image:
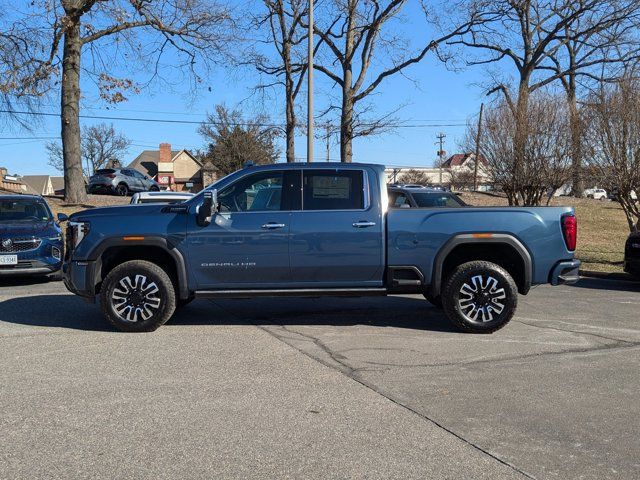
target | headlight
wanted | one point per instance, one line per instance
(76, 231)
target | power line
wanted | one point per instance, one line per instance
(207, 122)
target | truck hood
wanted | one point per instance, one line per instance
(119, 210)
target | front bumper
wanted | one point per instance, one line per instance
(565, 272)
(78, 278)
(39, 261)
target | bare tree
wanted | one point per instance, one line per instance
(461, 179)
(100, 145)
(530, 34)
(232, 141)
(614, 130)
(593, 54)
(359, 38)
(283, 19)
(545, 161)
(100, 38)
(415, 177)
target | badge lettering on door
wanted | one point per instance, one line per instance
(229, 264)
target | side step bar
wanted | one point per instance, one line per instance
(293, 292)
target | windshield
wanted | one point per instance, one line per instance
(436, 199)
(26, 210)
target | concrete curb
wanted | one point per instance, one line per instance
(617, 276)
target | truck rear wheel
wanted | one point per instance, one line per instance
(480, 297)
(137, 296)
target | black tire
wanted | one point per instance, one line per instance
(435, 301)
(183, 302)
(462, 295)
(126, 305)
(122, 190)
(154, 188)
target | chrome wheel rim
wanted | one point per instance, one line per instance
(481, 299)
(136, 299)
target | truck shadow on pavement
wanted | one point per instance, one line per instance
(66, 311)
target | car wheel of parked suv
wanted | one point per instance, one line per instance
(480, 297)
(137, 296)
(122, 190)
(154, 189)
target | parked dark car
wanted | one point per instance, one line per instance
(632, 254)
(416, 196)
(121, 181)
(30, 239)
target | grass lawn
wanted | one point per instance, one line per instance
(602, 227)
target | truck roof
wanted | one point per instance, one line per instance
(322, 165)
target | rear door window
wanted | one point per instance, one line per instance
(333, 190)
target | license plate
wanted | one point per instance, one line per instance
(8, 259)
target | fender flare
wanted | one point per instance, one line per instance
(469, 238)
(96, 254)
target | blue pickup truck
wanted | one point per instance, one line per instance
(311, 230)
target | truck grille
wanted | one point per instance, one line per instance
(14, 245)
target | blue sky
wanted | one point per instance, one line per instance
(440, 96)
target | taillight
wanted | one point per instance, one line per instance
(570, 231)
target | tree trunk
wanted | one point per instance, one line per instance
(74, 187)
(346, 123)
(520, 140)
(575, 125)
(290, 127)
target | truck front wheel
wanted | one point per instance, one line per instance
(480, 297)
(137, 296)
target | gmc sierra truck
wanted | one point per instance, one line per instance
(312, 230)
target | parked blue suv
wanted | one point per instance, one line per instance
(30, 239)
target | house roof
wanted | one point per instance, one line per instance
(147, 161)
(458, 159)
(57, 183)
(36, 182)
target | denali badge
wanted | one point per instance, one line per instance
(229, 264)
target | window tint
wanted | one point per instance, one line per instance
(137, 174)
(23, 210)
(333, 190)
(105, 171)
(398, 200)
(434, 199)
(254, 193)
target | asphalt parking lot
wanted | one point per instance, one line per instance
(322, 388)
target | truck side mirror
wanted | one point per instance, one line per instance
(62, 217)
(208, 207)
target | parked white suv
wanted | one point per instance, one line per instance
(596, 193)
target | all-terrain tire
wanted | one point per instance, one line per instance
(479, 297)
(137, 296)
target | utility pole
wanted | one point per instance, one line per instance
(477, 159)
(328, 138)
(441, 136)
(310, 86)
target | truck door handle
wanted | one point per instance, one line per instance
(273, 225)
(363, 224)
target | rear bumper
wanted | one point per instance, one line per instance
(565, 272)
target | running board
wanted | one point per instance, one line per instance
(293, 292)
